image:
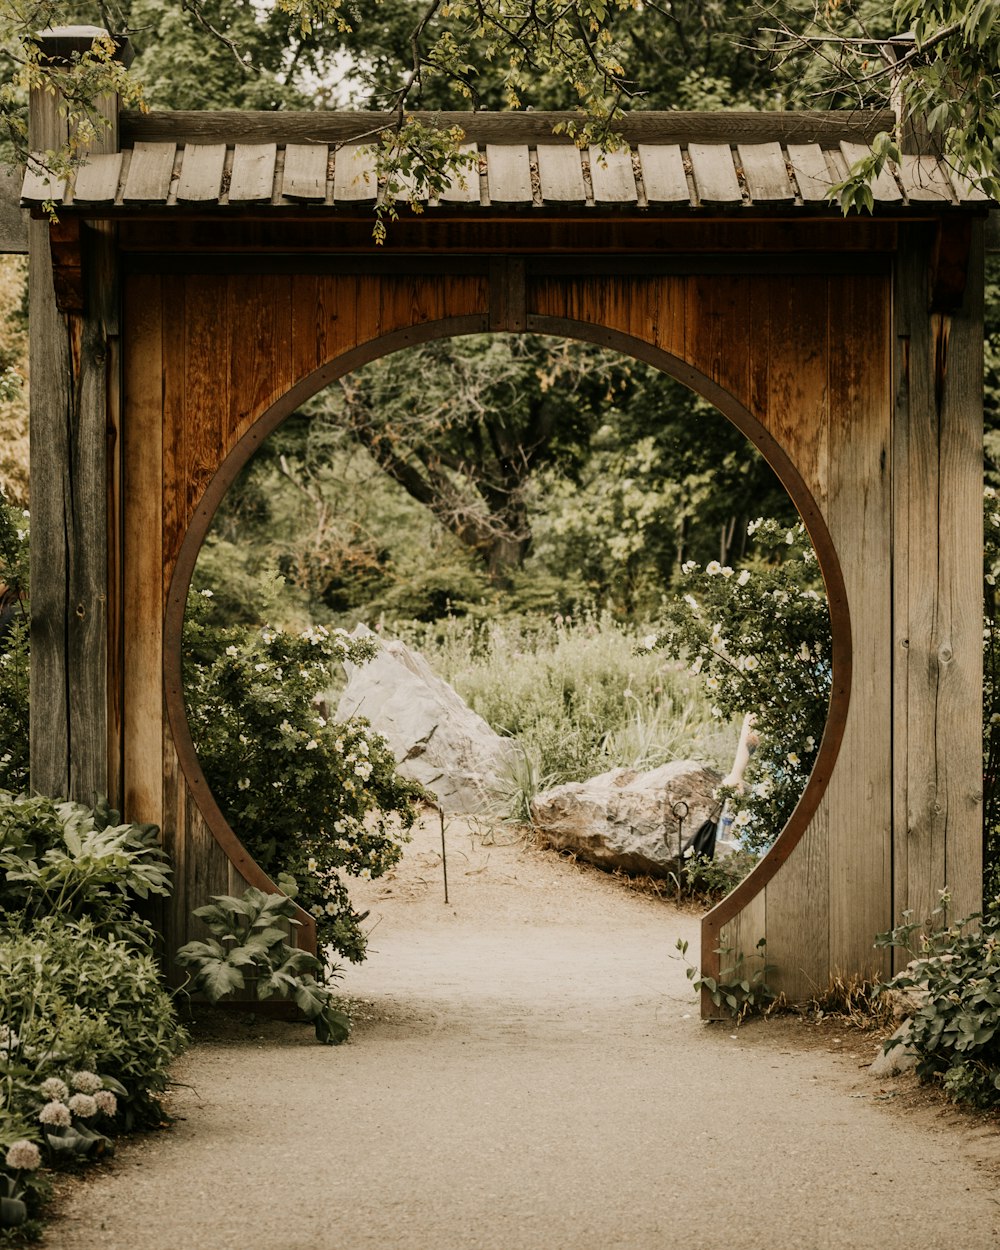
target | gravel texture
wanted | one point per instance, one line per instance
(528, 1072)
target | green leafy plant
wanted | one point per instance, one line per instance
(308, 797)
(954, 978)
(741, 987)
(760, 638)
(73, 861)
(248, 949)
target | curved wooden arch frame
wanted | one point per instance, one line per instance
(628, 345)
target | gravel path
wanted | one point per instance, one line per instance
(528, 1072)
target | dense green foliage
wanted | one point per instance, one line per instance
(307, 797)
(761, 638)
(248, 949)
(954, 979)
(87, 1028)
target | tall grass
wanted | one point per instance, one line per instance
(579, 695)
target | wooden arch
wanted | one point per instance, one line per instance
(210, 272)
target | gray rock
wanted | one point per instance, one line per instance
(898, 1059)
(622, 819)
(437, 739)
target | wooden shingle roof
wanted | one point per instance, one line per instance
(674, 163)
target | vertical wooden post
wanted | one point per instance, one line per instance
(73, 359)
(937, 585)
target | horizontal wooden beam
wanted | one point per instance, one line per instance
(721, 126)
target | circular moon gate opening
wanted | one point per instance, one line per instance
(682, 371)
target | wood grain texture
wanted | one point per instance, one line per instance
(463, 187)
(508, 173)
(765, 173)
(305, 171)
(149, 173)
(884, 187)
(143, 550)
(252, 176)
(663, 175)
(714, 173)
(924, 179)
(354, 178)
(717, 126)
(860, 517)
(200, 178)
(612, 176)
(97, 181)
(560, 173)
(812, 173)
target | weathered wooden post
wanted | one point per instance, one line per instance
(74, 438)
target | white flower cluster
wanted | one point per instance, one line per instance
(23, 1156)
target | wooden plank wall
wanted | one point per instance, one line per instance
(205, 357)
(937, 467)
(809, 356)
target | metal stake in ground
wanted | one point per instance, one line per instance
(444, 855)
(680, 811)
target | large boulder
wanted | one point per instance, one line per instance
(437, 739)
(624, 819)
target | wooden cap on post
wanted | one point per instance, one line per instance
(59, 44)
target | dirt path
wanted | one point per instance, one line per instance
(528, 1072)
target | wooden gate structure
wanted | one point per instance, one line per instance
(209, 272)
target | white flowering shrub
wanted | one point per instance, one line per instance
(308, 798)
(760, 638)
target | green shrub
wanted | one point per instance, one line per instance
(955, 978)
(307, 797)
(75, 998)
(73, 861)
(760, 639)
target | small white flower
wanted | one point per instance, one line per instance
(688, 566)
(696, 666)
(789, 537)
(793, 759)
(231, 651)
(54, 1090)
(742, 819)
(55, 1113)
(86, 1082)
(753, 526)
(260, 668)
(749, 662)
(743, 578)
(83, 1105)
(726, 571)
(312, 744)
(990, 579)
(713, 567)
(243, 783)
(804, 653)
(285, 727)
(365, 874)
(810, 742)
(649, 642)
(23, 1156)
(331, 909)
(311, 864)
(712, 683)
(107, 1103)
(207, 594)
(692, 602)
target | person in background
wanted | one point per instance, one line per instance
(746, 746)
